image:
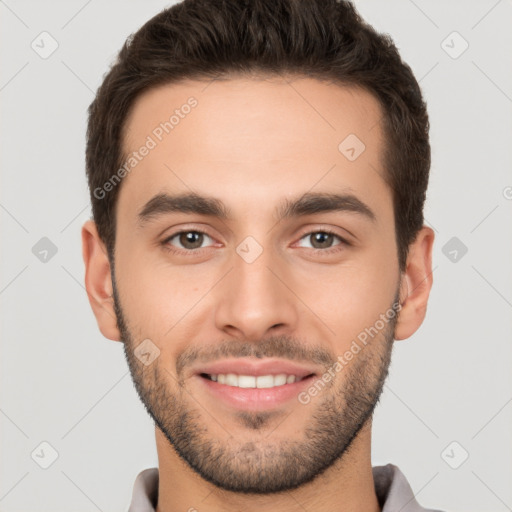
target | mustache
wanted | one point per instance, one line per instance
(284, 347)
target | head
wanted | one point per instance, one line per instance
(257, 174)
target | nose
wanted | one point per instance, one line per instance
(256, 299)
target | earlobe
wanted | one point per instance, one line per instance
(416, 284)
(98, 281)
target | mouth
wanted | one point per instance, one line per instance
(254, 381)
(255, 385)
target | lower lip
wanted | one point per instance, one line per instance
(256, 398)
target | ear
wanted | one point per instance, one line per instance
(416, 284)
(98, 281)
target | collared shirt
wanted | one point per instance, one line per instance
(393, 491)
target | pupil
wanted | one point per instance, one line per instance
(192, 238)
(325, 236)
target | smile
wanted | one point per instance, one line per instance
(253, 381)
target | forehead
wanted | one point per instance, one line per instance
(269, 106)
(251, 139)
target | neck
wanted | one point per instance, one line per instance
(346, 486)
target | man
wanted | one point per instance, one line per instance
(257, 173)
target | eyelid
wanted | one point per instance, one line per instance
(173, 231)
(329, 230)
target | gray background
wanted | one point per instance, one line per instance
(64, 384)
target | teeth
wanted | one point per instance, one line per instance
(231, 379)
(280, 379)
(246, 381)
(251, 381)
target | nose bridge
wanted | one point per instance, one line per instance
(253, 299)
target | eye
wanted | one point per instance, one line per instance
(322, 240)
(192, 241)
(189, 240)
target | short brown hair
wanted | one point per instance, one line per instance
(213, 39)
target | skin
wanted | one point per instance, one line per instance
(251, 143)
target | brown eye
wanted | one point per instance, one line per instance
(322, 240)
(188, 240)
(191, 239)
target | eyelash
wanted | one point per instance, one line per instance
(330, 250)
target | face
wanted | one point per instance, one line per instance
(256, 280)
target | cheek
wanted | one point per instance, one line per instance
(157, 295)
(351, 297)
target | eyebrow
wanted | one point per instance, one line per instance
(310, 203)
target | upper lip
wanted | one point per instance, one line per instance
(244, 366)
